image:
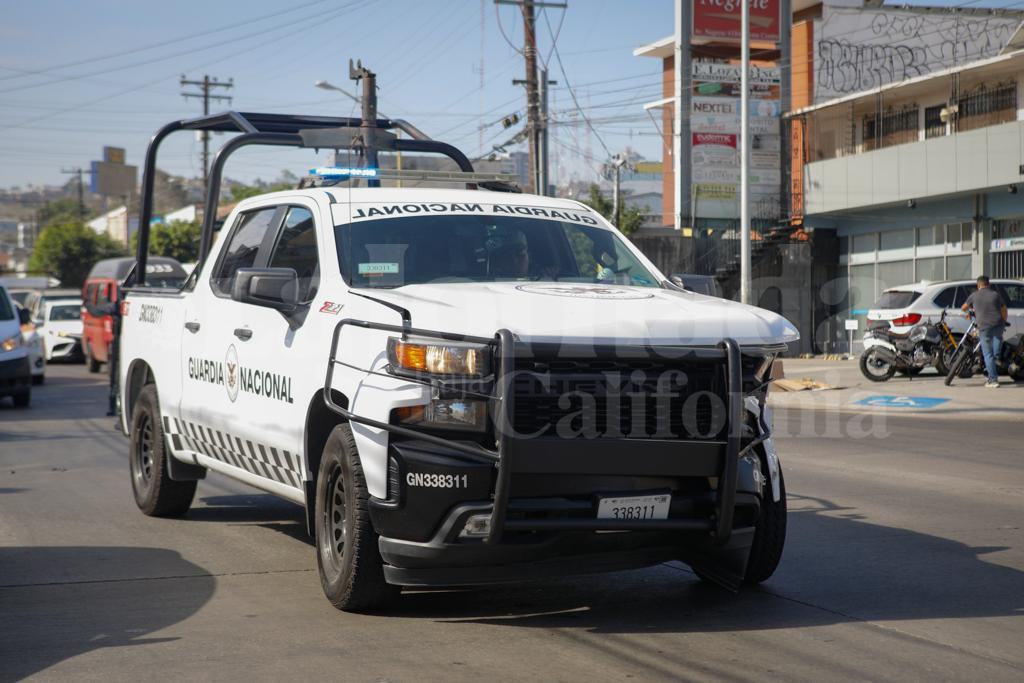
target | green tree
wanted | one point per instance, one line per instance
(630, 217)
(58, 211)
(67, 250)
(177, 240)
(239, 191)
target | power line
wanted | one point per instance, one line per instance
(164, 57)
(153, 46)
(572, 93)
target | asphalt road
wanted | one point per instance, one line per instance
(905, 560)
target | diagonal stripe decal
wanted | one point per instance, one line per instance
(253, 457)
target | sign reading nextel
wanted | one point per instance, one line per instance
(721, 19)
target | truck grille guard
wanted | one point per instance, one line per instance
(502, 406)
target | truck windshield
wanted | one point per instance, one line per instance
(419, 249)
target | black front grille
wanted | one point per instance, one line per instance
(630, 398)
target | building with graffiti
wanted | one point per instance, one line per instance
(875, 129)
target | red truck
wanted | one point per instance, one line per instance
(101, 292)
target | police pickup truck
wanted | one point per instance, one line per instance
(461, 386)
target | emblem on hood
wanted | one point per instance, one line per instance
(586, 291)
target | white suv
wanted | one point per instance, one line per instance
(908, 305)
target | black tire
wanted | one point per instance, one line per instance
(156, 494)
(910, 372)
(94, 365)
(769, 536)
(874, 372)
(22, 399)
(351, 569)
(963, 357)
(38, 379)
(945, 356)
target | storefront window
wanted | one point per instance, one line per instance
(862, 286)
(958, 267)
(931, 269)
(897, 239)
(933, 234)
(895, 273)
(864, 244)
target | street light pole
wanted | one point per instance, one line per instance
(745, 293)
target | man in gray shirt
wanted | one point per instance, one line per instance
(990, 313)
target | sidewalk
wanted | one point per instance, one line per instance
(926, 395)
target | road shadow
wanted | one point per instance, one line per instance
(60, 602)
(836, 568)
(259, 509)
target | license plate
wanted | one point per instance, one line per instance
(634, 507)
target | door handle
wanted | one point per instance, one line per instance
(192, 326)
(243, 333)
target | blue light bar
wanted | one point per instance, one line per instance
(343, 172)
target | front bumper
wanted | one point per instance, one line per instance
(64, 347)
(15, 376)
(539, 496)
(550, 525)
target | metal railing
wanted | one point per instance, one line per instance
(987, 106)
(892, 127)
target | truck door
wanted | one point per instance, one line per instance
(281, 358)
(209, 422)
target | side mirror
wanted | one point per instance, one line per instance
(276, 288)
(677, 281)
(24, 317)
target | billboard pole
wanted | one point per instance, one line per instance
(681, 116)
(745, 293)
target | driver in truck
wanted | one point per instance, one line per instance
(509, 255)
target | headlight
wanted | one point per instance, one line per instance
(462, 414)
(11, 343)
(444, 358)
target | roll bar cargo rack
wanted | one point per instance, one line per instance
(286, 130)
(501, 407)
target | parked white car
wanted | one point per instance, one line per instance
(33, 341)
(908, 305)
(14, 364)
(61, 327)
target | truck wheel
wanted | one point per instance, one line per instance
(350, 566)
(94, 365)
(769, 536)
(156, 493)
(874, 368)
(23, 399)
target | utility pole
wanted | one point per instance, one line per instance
(536, 123)
(684, 209)
(616, 167)
(368, 125)
(532, 99)
(205, 86)
(543, 170)
(81, 190)
(745, 290)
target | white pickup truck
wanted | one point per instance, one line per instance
(461, 387)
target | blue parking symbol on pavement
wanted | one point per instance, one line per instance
(900, 402)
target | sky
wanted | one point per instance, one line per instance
(77, 76)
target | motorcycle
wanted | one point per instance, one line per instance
(1009, 360)
(967, 358)
(886, 352)
(1012, 357)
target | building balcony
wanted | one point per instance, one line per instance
(968, 161)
